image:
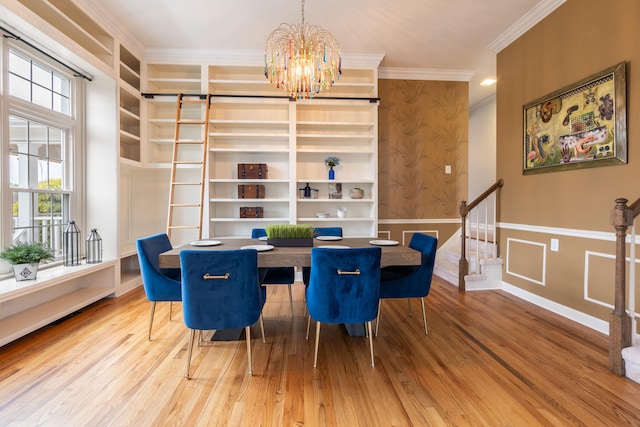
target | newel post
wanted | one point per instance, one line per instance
(463, 265)
(619, 322)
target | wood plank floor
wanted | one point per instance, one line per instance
(489, 360)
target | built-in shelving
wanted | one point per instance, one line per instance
(70, 19)
(253, 122)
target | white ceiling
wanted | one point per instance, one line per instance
(431, 39)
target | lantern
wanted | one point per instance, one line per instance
(71, 244)
(94, 247)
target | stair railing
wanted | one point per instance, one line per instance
(486, 227)
(620, 322)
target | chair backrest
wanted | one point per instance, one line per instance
(160, 284)
(327, 231)
(417, 282)
(335, 294)
(220, 289)
(258, 232)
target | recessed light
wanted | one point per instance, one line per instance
(488, 82)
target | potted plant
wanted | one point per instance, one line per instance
(25, 257)
(289, 235)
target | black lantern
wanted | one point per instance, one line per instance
(71, 244)
(94, 247)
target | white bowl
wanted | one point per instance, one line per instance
(322, 214)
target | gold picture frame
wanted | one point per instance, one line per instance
(578, 126)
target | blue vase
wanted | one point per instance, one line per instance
(332, 174)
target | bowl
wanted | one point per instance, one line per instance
(322, 214)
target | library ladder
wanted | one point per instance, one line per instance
(188, 168)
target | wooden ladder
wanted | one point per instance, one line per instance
(188, 168)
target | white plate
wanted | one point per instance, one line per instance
(259, 248)
(334, 246)
(263, 238)
(206, 243)
(328, 237)
(322, 214)
(384, 242)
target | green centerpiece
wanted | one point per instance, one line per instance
(289, 235)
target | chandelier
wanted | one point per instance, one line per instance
(302, 59)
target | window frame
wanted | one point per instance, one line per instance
(26, 110)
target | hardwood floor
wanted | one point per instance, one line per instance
(489, 360)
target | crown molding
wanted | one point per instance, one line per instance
(425, 74)
(524, 24)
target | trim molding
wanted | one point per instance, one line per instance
(420, 221)
(584, 234)
(524, 24)
(425, 74)
(562, 310)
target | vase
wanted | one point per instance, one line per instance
(332, 173)
(25, 271)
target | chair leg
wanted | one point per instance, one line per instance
(262, 328)
(378, 316)
(424, 317)
(192, 335)
(370, 343)
(409, 305)
(153, 310)
(290, 299)
(170, 309)
(315, 355)
(247, 331)
(308, 325)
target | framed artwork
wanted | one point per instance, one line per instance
(581, 125)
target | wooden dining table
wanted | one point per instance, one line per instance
(298, 256)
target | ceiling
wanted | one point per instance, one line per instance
(420, 39)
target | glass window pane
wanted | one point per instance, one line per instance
(37, 139)
(61, 85)
(19, 87)
(55, 175)
(55, 143)
(41, 97)
(19, 65)
(42, 77)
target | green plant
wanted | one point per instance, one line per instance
(289, 231)
(27, 253)
(332, 161)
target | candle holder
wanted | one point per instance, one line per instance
(71, 244)
(94, 247)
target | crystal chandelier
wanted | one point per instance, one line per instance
(302, 60)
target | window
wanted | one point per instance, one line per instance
(40, 150)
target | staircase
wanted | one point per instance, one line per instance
(486, 272)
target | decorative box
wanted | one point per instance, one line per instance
(252, 212)
(250, 191)
(253, 171)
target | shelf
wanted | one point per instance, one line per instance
(71, 20)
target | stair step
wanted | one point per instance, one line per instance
(631, 356)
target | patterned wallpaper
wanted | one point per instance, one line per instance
(423, 126)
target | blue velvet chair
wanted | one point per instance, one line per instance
(160, 284)
(275, 275)
(344, 287)
(320, 231)
(220, 290)
(411, 281)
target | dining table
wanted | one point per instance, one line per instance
(392, 253)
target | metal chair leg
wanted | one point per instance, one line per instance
(192, 334)
(153, 310)
(315, 356)
(424, 317)
(308, 324)
(170, 309)
(247, 331)
(378, 316)
(262, 328)
(371, 343)
(290, 299)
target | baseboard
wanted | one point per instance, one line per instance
(564, 311)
